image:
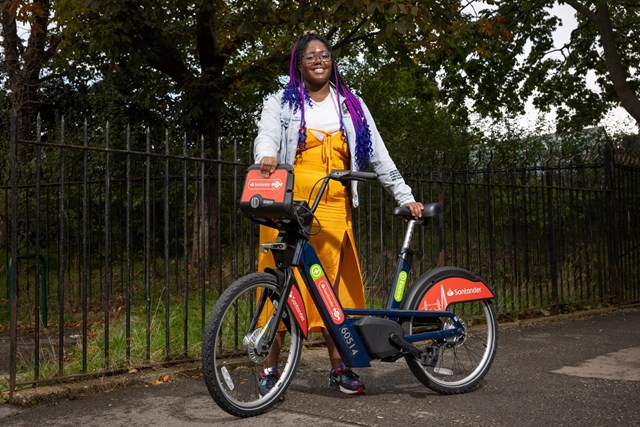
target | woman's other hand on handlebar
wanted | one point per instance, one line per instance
(268, 166)
(415, 208)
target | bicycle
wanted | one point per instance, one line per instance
(422, 323)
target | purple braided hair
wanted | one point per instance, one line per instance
(295, 92)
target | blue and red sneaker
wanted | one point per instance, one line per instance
(345, 380)
(268, 378)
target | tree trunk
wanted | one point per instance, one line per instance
(206, 213)
(618, 73)
(24, 64)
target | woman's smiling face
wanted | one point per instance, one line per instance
(316, 64)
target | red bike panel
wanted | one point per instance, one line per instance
(297, 307)
(328, 296)
(453, 289)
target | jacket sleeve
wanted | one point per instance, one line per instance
(267, 143)
(383, 165)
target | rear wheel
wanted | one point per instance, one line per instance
(233, 357)
(456, 364)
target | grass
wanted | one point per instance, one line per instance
(143, 350)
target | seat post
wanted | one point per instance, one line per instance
(408, 235)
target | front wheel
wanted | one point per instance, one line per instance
(456, 364)
(232, 356)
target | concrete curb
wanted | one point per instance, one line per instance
(572, 315)
(104, 384)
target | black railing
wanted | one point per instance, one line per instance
(140, 233)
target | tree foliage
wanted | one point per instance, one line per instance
(412, 124)
(501, 73)
(211, 50)
(194, 60)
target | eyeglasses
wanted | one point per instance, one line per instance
(323, 56)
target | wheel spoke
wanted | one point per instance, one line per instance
(462, 360)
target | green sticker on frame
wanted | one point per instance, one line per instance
(402, 281)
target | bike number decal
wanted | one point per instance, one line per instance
(453, 289)
(327, 294)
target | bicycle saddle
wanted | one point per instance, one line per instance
(430, 210)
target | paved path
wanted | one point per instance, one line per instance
(570, 372)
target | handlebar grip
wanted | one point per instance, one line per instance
(364, 175)
(347, 175)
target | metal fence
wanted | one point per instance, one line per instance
(117, 244)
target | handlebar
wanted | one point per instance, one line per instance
(343, 176)
(346, 175)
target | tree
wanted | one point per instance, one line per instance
(500, 73)
(618, 27)
(25, 60)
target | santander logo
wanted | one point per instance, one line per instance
(294, 302)
(453, 289)
(265, 184)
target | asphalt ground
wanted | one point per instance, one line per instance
(564, 371)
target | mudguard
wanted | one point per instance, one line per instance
(441, 286)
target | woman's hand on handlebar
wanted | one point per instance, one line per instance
(268, 166)
(415, 208)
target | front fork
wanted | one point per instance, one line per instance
(258, 342)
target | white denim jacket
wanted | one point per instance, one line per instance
(278, 137)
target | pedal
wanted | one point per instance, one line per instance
(429, 357)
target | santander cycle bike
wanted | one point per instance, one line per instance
(443, 325)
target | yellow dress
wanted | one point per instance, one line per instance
(334, 243)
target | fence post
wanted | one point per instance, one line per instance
(13, 280)
(440, 173)
(612, 228)
(552, 246)
(61, 243)
(41, 291)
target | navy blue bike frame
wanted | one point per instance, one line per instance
(340, 323)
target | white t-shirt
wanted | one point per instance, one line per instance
(323, 115)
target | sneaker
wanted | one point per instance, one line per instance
(268, 379)
(345, 380)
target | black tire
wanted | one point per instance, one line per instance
(460, 363)
(231, 372)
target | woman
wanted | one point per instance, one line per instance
(316, 124)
